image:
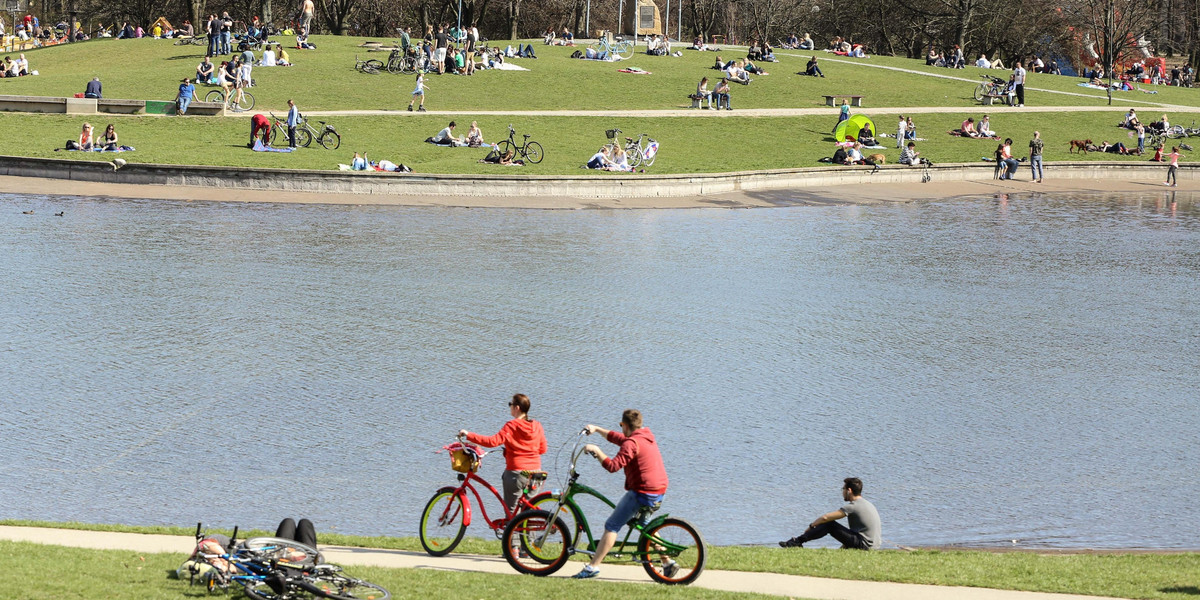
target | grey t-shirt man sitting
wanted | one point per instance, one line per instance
(863, 532)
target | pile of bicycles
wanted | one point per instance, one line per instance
(397, 62)
(639, 152)
(549, 528)
(270, 568)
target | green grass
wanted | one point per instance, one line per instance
(35, 571)
(688, 145)
(325, 79)
(1133, 575)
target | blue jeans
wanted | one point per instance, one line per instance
(1035, 166)
(183, 104)
(1010, 167)
(1141, 144)
(722, 100)
(214, 45)
(225, 47)
(628, 506)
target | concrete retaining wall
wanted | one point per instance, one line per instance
(607, 185)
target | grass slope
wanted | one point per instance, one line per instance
(325, 79)
(1171, 576)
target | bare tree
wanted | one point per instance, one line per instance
(1115, 25)
(336, 14)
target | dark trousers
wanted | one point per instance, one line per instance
(1020, 93)
(291, 137)
(849, 539)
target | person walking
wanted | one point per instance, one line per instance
(419, 92)
(524, 443)
(1173, 167)
(306, 15)
(1035, 156)
(293, 121)
(863, 532)
(1019, 79)
(645, 482)
(900, 127)
(1141, 134)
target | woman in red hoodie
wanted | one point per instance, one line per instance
(524, 444)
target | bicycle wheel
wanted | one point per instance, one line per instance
(246, 103)
(675, 540)
(981, 90)
(259, 590)
(282, 550)
(330, 140)
(533, 152)
(395, 66)
(214, 96)
(341, 587)
(650, 161)
(408, 66)
(303, 137)
(625, 50)
(504, 147)
(442, 527)
(533, 549)
(567, 514)
(633, 155)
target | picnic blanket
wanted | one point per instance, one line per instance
(634, 70)
(260, 147)
(97, 149)
(959, 133)
(507, 66)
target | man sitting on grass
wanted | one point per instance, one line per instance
(863, 532)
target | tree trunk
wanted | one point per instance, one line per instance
(514, 13)
(268, 15)
(199, 20)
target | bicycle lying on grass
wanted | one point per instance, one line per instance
(270, 568)
(539, 542)
(530, 151)
(370, 66)
(448, 513)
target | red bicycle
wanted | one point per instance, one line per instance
(448, 513)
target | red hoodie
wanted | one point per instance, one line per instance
(643, 464)
(524, 444)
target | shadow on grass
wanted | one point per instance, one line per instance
(1189, 589)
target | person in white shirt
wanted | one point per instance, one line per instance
(903, 125)
(268, 58)
(22, 65)
(983, 62)
(1019, 80)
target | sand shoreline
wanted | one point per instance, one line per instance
(849, 193)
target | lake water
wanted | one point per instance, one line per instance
(995, 369)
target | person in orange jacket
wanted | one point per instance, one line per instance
(524, 443)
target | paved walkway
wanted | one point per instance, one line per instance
(707, 114)
(735, 581)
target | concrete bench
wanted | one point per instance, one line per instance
(696, 99)
(206, 109)
(81, 106)
(854, 100)
(990, 99)
(38, 104)
(121, 106)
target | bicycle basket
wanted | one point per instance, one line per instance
(464, 458)
(612, 133)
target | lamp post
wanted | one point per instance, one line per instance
(679, 23)
(620, 16)
(460, 15)
(587, 21)
(1108, 55)
(667, 24)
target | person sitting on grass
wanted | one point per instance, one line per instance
(806, 43)
(863, 532)
(283, 60)
(600, 159)
(840, 156)
(755, 69)
(854, 155)
(768, 55)
(910, 130)
(910, 156)
(985, 127)
(812, 70)
(866, 135)
(109, 139)
(698, 44)
(620, 161)
(445, 137)
(737, 74)
(1117, 148)
(474, 135)
(204, 71)
(86, 139)
(268, 58)
(968, 128)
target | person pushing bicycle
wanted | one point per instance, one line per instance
(645, 481)
(524, 443)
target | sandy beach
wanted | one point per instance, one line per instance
(871, 193)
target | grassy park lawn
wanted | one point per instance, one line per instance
(324, 79)
(1171, 576)
(688, 145)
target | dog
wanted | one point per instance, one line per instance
(1080, 145)
(878, 159)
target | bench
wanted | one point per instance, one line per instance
(37, 104)
(830, 100)
(696, 98)
(121, 106)
(206, 109)
(990, 99)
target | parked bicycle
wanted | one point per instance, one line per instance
(539, 542)
(530, 151)
(269, 568)
(636, 153)
(194, 40)
(993, 87)
(327, 136)
(448, 513)
(399, 63)
(279, 133)
(244, 104)
(618, 47)
(370, 66)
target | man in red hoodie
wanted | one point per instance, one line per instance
(645, 481)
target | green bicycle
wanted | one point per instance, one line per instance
(670, 549)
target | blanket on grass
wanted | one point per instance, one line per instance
(634, 70)
(959, 133)
(97, 149)
(260, 147)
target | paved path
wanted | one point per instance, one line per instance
(709, 114)
(736, 581)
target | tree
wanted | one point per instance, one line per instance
(336, 13)
(1115, 25)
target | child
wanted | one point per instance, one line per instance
(1174, 166)
(419, 91)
